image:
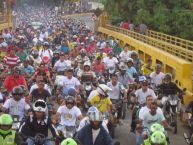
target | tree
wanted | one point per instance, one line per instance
(173, 17)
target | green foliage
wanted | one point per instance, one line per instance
(173, 17)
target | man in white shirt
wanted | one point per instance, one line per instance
(110, 61)
(46, 51)
(70, 82)
(125, 54)
(60, 65)
(142, 93)
(157, 76)
(68, 114)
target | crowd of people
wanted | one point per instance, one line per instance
(63, 74)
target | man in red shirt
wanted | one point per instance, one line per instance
(11, 59)
(14, 80)
(98, 66)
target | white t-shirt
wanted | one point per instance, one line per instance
(125, 55)
(116, 90)
(16, 107)
(150, 119)
(60, 65)
(69, 117)
(35, 86)
(70, 83)
(156, 79)
(95, 133)
(110, 62)
(145, 110)
(141, 95)
(47, 52)
(86, 121)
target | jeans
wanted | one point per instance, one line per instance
(31, 142)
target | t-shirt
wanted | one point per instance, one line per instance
(125, 55)
(150, 119)
(16, 107)
(35, 86)
(110, 62)
(145, 110)
(95, 133)
(11, 61)
(47, 52)
(68, 117)
(131, 71)
(11, 82)
(116, 90)
(60, 65)
(101, 104)
(141, 95)
(37, 95)
(156, 79)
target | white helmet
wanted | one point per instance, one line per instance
(94, 114)
(103, 89)
(40, 106)
(87, 63)
(122, 66)
(129, 60)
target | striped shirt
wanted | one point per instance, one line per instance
(12, 61)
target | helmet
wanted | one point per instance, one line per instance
(129, 60)
(87, 63)
(94, 114)
(5, 119)
(69, 141)
(134, 53)
(103, 89)
(17, 90)
(35, 52)
(71, 91)
(122, 66)
(168, 76)
(15, 69)
(70, 99)
(142, 79)
(40, 106)
(82, 51)
(156, 127)
(46, 43)
(158, 137)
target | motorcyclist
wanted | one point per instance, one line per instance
(68, 113)
(82, 57)
(85, 121)
(87, 71)
(136, 61)
(100, 99)
(125, 54)
(16, 105)
(123, 76)
(131, 70)
(147, 69)
(168, 88)
(94, 133)
(7, 135)
(15, 79)
(38, 123)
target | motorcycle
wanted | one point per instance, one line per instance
(66, 131)
(16, 122)
(39, 139)
(189, 138)
(171, 109)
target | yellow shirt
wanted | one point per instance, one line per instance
(147, 71)
(101, 104)
(71, 45)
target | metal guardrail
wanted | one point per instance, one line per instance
(171, 39)
(165, 46)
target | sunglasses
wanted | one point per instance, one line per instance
(70, 103)
(17, 94)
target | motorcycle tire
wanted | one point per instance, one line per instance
(124, 110)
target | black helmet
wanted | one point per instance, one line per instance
(17, 90)
(168, 77)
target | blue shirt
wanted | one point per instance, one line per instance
(29, 69)
(64, 49)
(131, 71)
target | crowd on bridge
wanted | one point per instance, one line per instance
(58, 75)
